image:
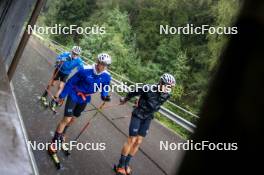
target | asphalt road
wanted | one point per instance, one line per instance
(31, 76)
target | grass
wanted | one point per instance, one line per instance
(173, 126)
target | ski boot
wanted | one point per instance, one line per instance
(44, 101)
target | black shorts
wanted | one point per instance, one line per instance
(60, 76)
(72, 108)
(139, 126)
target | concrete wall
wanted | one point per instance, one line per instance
(15, 156)
(13, 15)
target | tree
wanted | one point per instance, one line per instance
(69, 12)
(139, 52)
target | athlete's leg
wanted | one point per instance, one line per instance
(136, 145)
(68, 125)
(51, 82)
(125, 155)
(63, 78)
(128, 145)
(142, 132)
(59, 133)
(64, 123)
(129, 150)
(67, 119)
(72, 110)
(60, 88)
(79, 109)
(133, 132)
(134, 127)
(46, 91)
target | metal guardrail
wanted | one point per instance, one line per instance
(164, 111)
(169, 114)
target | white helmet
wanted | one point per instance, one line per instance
(104, 58)
(168, 79)
(77, 50)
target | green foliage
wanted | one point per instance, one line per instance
(139, 52)
(66, 13)
(174, 127)
(224, 15)
(119, 43)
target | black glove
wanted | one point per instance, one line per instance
(106, 98)
(123, 100)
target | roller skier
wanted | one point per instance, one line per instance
(65, 63)
(149, 102)
(78, 90)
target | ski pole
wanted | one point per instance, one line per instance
(88, 123)
(117, 118)
(88, 110)
(105, 107)
(111, 106)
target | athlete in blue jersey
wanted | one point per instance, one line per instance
(65, 63)
(78, 91)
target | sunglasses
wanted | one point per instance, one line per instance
(75, 54)
(102, 63)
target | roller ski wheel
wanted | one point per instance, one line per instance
(44, 101)
(54, 157)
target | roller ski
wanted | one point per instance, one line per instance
(122, 170)
(53, 153)
(44, 101)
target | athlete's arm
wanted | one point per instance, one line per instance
(136, 92)
(70, 83)
(60, 59)
(80, 65)
(70, 65)
(105, 89)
